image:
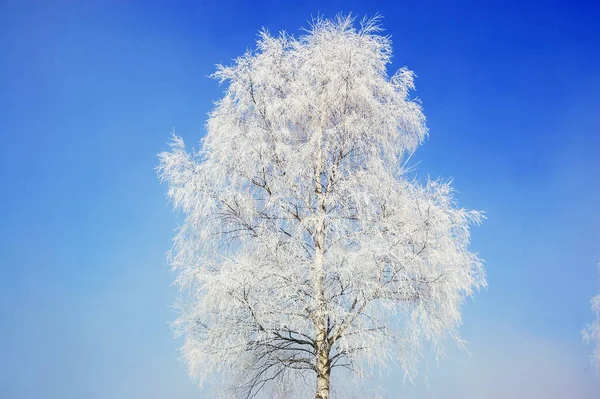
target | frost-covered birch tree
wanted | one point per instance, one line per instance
(306, 247)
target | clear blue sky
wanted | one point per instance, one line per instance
(89, 94)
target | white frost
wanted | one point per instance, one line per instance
(303, 157)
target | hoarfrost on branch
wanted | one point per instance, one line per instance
(306, 247)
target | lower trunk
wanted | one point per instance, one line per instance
(323, 366)
(323, 382)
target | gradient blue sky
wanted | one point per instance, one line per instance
(89, 94)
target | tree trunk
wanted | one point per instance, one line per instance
(323, 383)
(321, 324)
(323, 366)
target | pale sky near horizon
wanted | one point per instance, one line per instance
(90, 93)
